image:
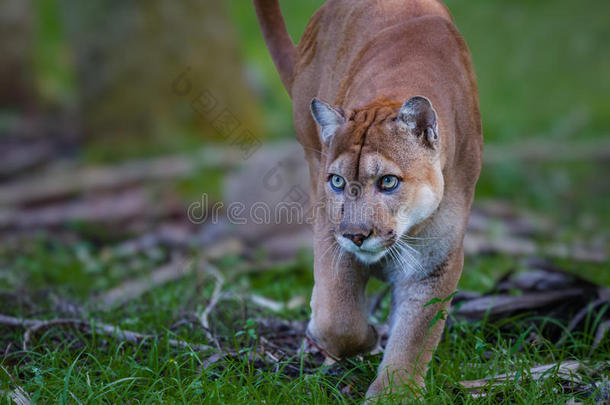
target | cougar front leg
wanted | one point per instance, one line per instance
(412, 337)
(339, 323)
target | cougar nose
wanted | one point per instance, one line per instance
(357, 238)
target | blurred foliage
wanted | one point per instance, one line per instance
(53, 67)
(260, 68)
(540, 64)
(542, 70)
(144, 77)
(16, 91)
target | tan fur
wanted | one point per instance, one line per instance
(366, 58)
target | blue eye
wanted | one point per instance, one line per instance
(388, 183)
(337, 182)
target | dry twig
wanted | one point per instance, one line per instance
(602, 329)
(173, 271)
(135, 288)
(475, 244)
(18, 395)
(275, 306)
(99, 328)
(565, 370)
(204, 316)
(120, 207)
(63, 184)
(504, 303)
(580, 315)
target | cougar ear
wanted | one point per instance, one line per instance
(419, 117)
(327, 117)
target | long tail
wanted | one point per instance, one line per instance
(281, 47)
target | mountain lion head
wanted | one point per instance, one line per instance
(380, 173)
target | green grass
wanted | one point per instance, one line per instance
(66, 365)
(94, 369)
(97, 370)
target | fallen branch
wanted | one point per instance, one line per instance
(488, 216)
(18, 395)
(135, 288)
(539, 151)
(565, 370)
(602, 329)
(56, 185)
(275, 306)
(579, 317)
(475, 244)
(99, 328)
(477, 308)
(74, 180)
(172, 235)
(175, 270)
(19, 158)
(118, 208)
(204, 316)
(43, 325)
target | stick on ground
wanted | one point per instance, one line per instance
(105, 329)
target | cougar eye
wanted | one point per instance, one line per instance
(337, 182)
(388, 183)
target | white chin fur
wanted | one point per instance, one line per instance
(370, 258)
(365, 256)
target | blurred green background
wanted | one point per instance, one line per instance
(542, 68)
(101, 77)
(543, 73)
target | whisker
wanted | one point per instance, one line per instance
(332, 256)
(420, 237)
(421, 244)
(406, 263)
(411, 248)
(397, 259)
(417, 264)
(388, 257)
(326, 239)
(334, 253)
(418, 241)
(328, 249)
(413, 255)
(336, 268)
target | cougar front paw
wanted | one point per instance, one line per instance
(342, 341)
